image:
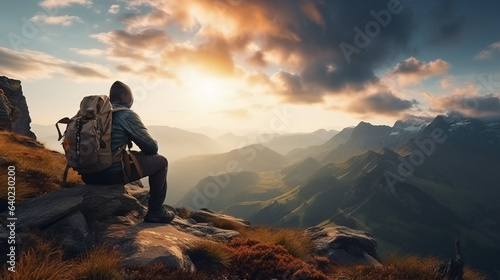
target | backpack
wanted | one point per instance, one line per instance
(87, 138)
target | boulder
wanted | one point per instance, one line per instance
(344, 246)
(14, 113)
(81, 217)
(77, 217)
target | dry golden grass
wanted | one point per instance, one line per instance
(227, 224)
(184, 212)
(409, 267)
(38, 170)
(101, 263)
(43, 260)
(209, 256)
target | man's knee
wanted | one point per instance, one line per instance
(163, 160)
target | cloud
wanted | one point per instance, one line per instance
(289, 86)
(413, 71)
(447, 28)
(257, 59)
(133, 46)
(114, 9)
(28, 64)
(383, 103)
(138, 21)
(470, 104)
(308, 47)
(64, 3)
(211, 58)
(88, 52)
(488, 52)
(56, 20)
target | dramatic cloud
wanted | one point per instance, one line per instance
(64, 3)
(213, 58)
(488, 52)
(56, 20)
(309, 48)
(114, 9)
(486, 106)
(134, 46)
(412, 70)
(448, 28)
(383, 103)
(36, 65)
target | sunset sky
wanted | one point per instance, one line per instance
(240, 64)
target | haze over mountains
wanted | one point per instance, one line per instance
(416, 186)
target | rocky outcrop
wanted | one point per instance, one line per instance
(81, 217)
(14, 114)
(344, 246)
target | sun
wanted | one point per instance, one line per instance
(206, 87)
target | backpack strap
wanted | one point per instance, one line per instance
(65, 120)
(136, 163)
(65, 176)
(127, 156)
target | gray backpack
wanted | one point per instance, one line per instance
(87, 139)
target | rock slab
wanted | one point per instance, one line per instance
(344, 246)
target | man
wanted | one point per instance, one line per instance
(126, 127)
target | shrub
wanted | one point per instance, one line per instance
(295, 241)
(209, 256)
(256, 260)
(159, 271)
(101, 263)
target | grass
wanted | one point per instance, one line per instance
(38, 170)
(101, 263)
(295, 241)
(159, 271)
(42, 259)
(184, 213)
(209, 256)
(227, 224)
(410, 267)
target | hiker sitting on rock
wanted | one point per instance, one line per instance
(126, 127)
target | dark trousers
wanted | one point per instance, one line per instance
(154, 166)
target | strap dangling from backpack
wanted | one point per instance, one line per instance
(65, 177)
(127, 156)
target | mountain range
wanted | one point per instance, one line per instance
(416, 186)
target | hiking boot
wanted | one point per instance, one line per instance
(158, 216)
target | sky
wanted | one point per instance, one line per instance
(257, 65)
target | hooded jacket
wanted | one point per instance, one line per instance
(126, 126)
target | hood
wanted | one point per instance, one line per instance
(120, 94)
